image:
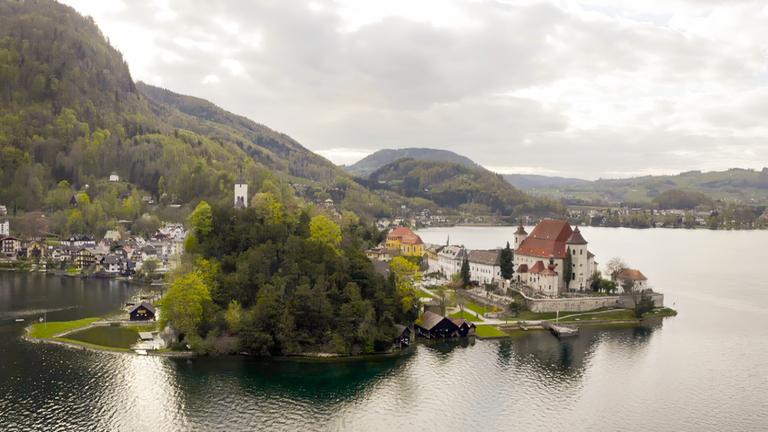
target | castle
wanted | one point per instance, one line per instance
(540, 258)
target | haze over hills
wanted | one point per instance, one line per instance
(735, 185)
(378, 159)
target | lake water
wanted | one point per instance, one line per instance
(704, 370)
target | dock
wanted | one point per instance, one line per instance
(560, 331)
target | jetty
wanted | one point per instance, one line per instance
(560, 331)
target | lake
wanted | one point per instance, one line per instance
(704, 370)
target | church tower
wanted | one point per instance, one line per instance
(576, 246)
(241, 193)
(520, 235)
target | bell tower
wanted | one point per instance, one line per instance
(241, 192)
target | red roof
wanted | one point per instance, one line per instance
(547, 240)
(538, 267)
(522, 268)
(631, 274)
(576, 237)
(404, 235)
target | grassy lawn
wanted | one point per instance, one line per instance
(489, 331)
(660, 312)
(619, 314)
(467, 315)
(107, 336)
(48, 330)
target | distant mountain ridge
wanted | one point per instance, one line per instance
(378, 159)
(534, 181)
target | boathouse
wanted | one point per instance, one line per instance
(143, 312)
(434, 326)
(403, 338)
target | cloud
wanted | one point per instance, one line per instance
(594, 88)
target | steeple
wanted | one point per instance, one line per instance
(576, 238)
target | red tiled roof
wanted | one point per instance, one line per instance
(405, 235)
(522, 268)
(631, 274)
(538, 267)
(576, 237)
(547, 240)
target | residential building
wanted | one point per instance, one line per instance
(406, 241)
(484, 266)
(10, 246)
(449, 260)
(5, 228)
(638, 279)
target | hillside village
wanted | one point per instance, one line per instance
(117, 254)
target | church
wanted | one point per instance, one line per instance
(541, 255)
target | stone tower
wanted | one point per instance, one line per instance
(241, 194)
(520, 235)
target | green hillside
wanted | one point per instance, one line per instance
(70, 115)
(453, 185)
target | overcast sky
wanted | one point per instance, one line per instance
(596, 88)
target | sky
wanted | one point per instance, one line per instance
(589, 89)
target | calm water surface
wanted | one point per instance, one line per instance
(704, 370)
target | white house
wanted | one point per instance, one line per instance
(114, 177)
(5, 228)
(638, 279)
(540, 257)
(449, 259)
(484, 265)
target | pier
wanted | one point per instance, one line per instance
(560, 331)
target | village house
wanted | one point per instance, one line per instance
(406, 241)
(540, 257)
(10, 246)
(114, 177)
(633, 276)
(5, 228)
(84, 258)
(449, 260)
(112, 264)
(484, 266)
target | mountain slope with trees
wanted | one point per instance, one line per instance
(475, 190)
(376, 160)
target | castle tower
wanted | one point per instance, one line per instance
(241, 194)
(576, 246)
(520, 235)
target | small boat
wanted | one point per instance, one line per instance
(141, 352)
(19, 319)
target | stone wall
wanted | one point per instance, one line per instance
(585, 304)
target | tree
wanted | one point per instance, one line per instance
(442, 298)
(322, 229)
(201, 219)
(184, 304)
(234, 316)
(465, 275)
(506, 262)
(614, 266)
(406, 275)
(567, 268)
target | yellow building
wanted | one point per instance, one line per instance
(406, 241)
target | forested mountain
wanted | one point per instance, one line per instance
(736, 185)
(475, 190)
(374, 161)
(70, 114)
